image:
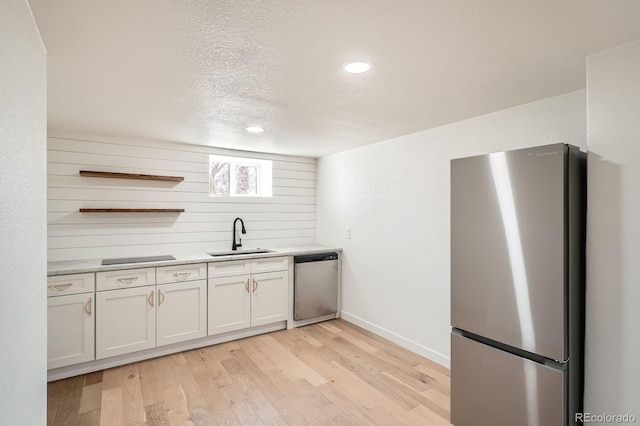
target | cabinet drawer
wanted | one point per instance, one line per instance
(229, 269)
(128, 278)
(176, 274)
(269, 264)
(70, 284)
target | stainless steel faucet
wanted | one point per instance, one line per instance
(244, 231)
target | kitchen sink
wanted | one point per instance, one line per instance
(239, 252)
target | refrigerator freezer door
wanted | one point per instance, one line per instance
(490, 387)
(508, 248)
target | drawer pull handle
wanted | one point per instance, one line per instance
(182, 275)
(128, 280)
(246, 285)
(150, 299)
(87, 307)
(60, 287)
(160, 297)
(255, 285)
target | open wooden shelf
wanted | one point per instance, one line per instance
(115, 175)
(131, 210)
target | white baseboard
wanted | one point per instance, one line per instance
(397, 339)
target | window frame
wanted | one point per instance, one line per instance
(264, 175)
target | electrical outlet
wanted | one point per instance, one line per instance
(348, 233)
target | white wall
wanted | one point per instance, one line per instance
(23, 306)
(394, 196)
(613, 232)
(286, 219)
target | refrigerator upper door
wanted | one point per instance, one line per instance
(508, 248)
(490, 387)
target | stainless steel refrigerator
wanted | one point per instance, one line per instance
(517, 287)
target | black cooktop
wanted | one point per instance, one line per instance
(122, 260)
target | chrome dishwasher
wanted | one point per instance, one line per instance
(315, 288)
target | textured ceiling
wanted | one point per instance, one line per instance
(200, 71)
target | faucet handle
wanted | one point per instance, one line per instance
(239, 244)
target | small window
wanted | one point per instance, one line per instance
(239, 177)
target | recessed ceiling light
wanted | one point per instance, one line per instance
(357, 67)
(254, 129)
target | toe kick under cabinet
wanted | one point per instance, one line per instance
(247, 293)
(138, 309)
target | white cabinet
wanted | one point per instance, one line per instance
(149, 315)
(229, 304)
(181, 311)
(70, 323)
(125, 321)
(239, 300)
(269, 297)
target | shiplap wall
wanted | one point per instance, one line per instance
(286, 219)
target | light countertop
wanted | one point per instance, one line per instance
(79, 266)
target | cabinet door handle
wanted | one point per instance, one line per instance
(87, 307)
(255, 285)
(246, 285)
(60, 287)
(182, 275)
(150, 299)
(160, 297)
(127, 280)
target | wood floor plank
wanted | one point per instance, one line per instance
(251, 347)
(93, 378)
(198, 361)
(111, 411)
(152, 392)
(176, 404)
(258, 377)
(156, 415)
(111, 378)
(55, 391)
(330, 327)
(196, 403)
(292, 364)
(261, 406)
(89, 418)
(69, 401)
(330, 373)
(91, 398)
(240, 406)
(302, 334)
(295, 409)
(133, 403)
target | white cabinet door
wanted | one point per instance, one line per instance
(125, 321)
(229, 304)
(70, 323)
(182, 312)
(269, 297)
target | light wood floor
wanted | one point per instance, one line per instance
(328, 373)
